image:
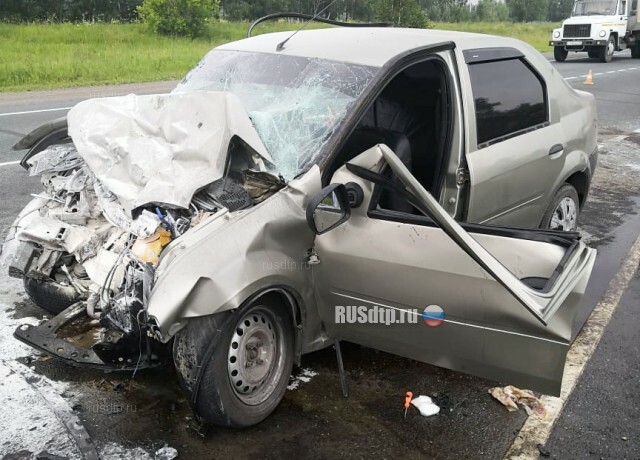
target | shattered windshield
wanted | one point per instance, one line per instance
(295, 103)
(597, 7)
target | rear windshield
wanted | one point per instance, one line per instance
(295, 103)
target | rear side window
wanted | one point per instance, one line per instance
(510, 99)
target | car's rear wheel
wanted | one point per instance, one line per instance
(606, 52)
(560, 54)
(562, 213)
(246, 361)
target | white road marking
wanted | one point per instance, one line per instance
(600, 73)
(9, 163)
(33, 111)
(537, 430)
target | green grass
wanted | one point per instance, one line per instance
(43, 56)
(537, 34)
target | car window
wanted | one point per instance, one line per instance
(295, 103)
(510, 98)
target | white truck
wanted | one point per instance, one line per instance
(599, 27)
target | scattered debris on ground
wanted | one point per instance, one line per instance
(511, 397)
(166, 453)
(426, 406)
(304, 376)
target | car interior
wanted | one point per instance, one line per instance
(411, 116)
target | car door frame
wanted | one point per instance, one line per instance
(451, 192)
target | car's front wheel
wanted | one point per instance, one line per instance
(50, 294)
(560, 53)
(246, 359)
(635, 51)
(562, 213)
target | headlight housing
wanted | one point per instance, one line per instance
(556, 34)
(603, 33)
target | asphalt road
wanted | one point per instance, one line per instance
(131, 418)
(617, 87)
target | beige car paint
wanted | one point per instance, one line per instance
(246, 242)
(496, 326)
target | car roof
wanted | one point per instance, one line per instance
(372, 46)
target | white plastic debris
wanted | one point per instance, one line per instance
(166, 453)
(304, 376)
(54, 158)
(426, 406)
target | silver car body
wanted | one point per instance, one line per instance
(496, 327)
(491, 333)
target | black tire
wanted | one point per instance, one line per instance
(205, 345)
(635, 51)
(560, 54)
(605, 53)
(594, 54)
(51, 295)
(567, 191)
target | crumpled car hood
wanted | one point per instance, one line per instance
(160, 148)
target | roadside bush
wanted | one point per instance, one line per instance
(177, 17)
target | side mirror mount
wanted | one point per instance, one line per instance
(328, 209)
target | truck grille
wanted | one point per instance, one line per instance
(577, 30)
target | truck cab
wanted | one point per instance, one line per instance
(600, 28)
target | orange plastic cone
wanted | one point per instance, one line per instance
(589, 79)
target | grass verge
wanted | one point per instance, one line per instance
(537, 34)
(45, 56)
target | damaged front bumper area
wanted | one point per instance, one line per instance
(114, 201)
(83, 341)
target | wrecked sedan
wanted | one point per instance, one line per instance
(225, 223)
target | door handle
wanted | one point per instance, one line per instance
(556, 149)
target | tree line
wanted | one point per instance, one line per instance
(415, 13)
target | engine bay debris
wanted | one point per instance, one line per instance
(140, 172)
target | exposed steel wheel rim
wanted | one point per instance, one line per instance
(255, 360)
(565, 216)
